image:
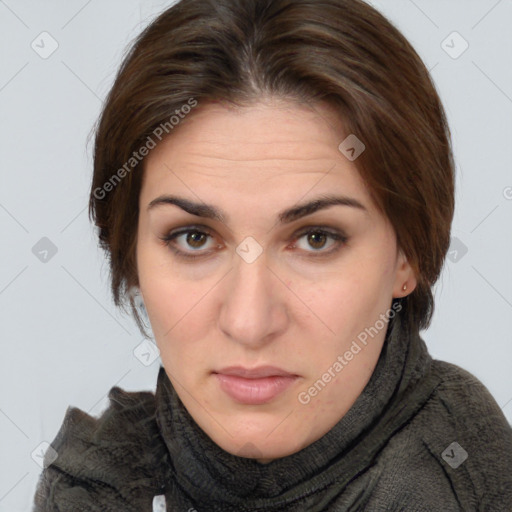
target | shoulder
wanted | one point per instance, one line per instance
(461, 436)
(468, 407)
(105, 462)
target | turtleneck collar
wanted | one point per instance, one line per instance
(204, 471)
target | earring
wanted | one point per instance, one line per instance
(404, 287)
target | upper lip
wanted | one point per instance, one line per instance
(255, 373)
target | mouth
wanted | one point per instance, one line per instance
(255, 386)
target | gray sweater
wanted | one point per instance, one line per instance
(424, 435)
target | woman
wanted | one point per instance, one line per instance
(274, 186)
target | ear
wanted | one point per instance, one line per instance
(404, 276)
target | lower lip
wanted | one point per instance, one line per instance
(254, 391)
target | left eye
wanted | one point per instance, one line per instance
(318, 240)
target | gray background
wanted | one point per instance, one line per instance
(63, 342)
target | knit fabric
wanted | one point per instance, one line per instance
(424, 435)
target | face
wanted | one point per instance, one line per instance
(261, 261)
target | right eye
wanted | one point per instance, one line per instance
(190, 242)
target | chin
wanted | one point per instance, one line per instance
(260, 445)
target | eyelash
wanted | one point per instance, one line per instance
(338, 237)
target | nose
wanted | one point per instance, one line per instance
(253, 309)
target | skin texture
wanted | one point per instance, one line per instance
(296, 306)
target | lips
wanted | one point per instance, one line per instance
(254, 386)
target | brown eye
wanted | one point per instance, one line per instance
(317, 240)
(196, 239)
(190, 243)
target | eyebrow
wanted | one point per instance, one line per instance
(284, 217)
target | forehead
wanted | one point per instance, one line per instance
(274, 142)
(261, 130)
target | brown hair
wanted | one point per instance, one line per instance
(343, 52)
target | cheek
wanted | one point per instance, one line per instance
(181, 317)
(338, 297)
(169, 307)
(160, 292)
(339, 310)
